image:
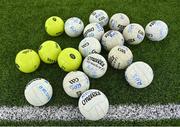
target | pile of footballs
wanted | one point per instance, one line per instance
(93, 104)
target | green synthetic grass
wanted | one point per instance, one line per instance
(22, 26)
(97, 123)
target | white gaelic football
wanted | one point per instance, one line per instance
(134, 34)
(89, 45)
(93, 104)
(111, 39)
(38, 92)
(156, 30)
(139, 74)
(99, 16)
(120, 57)
(95, 65)
(93, 30)
(118, 22)
(75, 83)
(73, 27)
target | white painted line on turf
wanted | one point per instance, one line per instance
(68, 113)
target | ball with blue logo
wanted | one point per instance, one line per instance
(75, 83)
(134, 34)
(93, 30)
(88, 46)
(139, 74)
(74, 27)
(99, 16)
(156, 30)
(38, 92)
(119, 21)
(111, 39)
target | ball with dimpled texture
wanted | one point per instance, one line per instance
(49, 51)
(134, 34)
(120, 57)
(111, 39)
(73, 27)
(69, 59)
(75, 83)
(156, 30)
(89, 45)
(139, 74)
(99, 16)
(118, 22)
(27, 61)
(54, 26)
(93, 30)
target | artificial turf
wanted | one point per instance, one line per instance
(22, 26)
(97, 123)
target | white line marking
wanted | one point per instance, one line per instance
(68, 113)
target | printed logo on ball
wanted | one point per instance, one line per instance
(112, 60)
(101, 18)
(75, 86)
(85, 45)
(149, 35)
(110, 34)
(88, 31)
(122, 50)
(50, 60)
(152, 23)
(99, 28)
(74, 80)
(99, 61)
(72, 56)
(54, 19)
(137, 79)
(130, 40)
(45, 92)
(121, 27)
(90, 96)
